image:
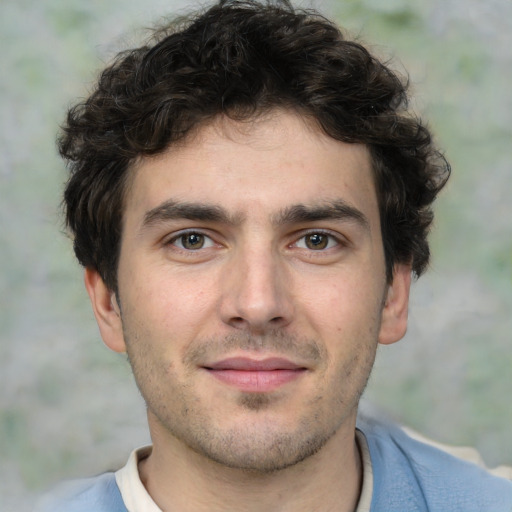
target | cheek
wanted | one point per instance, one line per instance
(343, 304)
(168, 305)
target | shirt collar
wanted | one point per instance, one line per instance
(137, 499)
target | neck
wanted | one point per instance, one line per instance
(178, 478)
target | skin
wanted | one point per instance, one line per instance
(253, 240)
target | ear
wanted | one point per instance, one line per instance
(394, 313)
(106, 310)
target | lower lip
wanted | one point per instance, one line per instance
(256, 381)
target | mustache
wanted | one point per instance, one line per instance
(307, 350)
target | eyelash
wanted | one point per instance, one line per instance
(182, 234)
(210, 242)
(330, 238)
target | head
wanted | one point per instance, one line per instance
(249, 195)
(241, 60)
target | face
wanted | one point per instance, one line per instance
(252, 290)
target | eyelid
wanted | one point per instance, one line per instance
(170, 241)
(337, 237)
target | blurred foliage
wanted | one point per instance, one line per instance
(451, 376)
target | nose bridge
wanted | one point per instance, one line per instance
(256, 295)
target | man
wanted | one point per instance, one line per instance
(249, 197)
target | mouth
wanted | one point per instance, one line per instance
(256, 376)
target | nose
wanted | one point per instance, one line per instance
(256, 292)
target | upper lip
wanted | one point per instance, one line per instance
(254, 365)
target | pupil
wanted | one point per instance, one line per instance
(193, 241)
(317, 241)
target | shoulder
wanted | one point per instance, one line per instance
(413, 475)
(98, 494)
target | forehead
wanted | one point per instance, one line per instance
(254, 168)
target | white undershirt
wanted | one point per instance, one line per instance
(137, 499)
(135, 496)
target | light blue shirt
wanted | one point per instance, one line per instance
(411, 476)
(408, 476)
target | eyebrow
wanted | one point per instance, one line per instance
(173, 210)
(332, 210)
(294, 214)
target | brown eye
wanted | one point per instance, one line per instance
(316, 241)
(192, 241)
(318, 246)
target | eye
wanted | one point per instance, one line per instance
(192, 241)
(317, 241)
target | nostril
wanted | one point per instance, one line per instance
(241, 323)
(238, 322)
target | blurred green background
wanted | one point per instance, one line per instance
(68, 406)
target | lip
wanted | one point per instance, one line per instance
(257, 376)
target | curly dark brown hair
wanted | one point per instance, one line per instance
(241, 59)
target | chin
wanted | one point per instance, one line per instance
(262, 447)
